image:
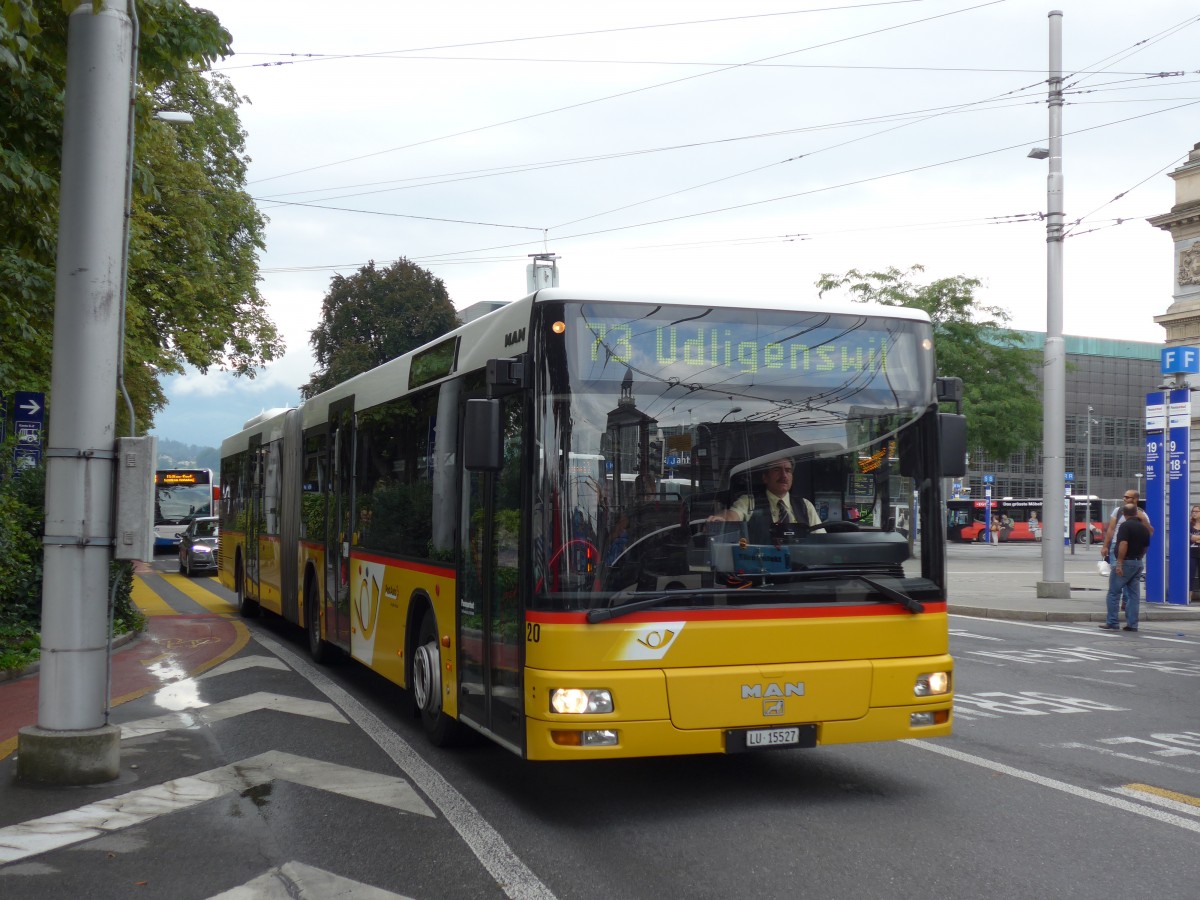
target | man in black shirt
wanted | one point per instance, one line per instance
(1132, 539)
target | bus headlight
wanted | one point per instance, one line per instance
(581, 701)
(930, 684)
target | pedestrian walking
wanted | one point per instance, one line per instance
(1132, 539)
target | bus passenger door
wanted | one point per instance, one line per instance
(254, 519)
(339, 529)
(491, 616)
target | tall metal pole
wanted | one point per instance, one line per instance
(72, 742)
(1054, 524)
(1087, 490)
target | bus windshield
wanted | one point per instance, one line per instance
(181, 495)
(660, 432)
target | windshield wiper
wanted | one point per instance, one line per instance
(891, 593)
(651, 599)
(617, 608)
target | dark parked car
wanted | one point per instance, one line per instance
(198, 546)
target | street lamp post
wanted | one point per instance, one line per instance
(1054, 522)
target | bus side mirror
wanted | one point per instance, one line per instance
(952, 431)
(482, 451)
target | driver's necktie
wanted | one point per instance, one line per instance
(782, 515)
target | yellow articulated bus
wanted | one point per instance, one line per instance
(550, 525)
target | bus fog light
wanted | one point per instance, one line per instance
(580, 701)
(932, 683)
(918, 719)
(600, 738)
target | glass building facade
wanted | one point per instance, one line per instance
(1113, 377)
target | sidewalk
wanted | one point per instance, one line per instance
(999, 581)
(170, 648)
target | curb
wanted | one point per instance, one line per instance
(1037, 615)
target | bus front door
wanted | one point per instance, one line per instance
(490, 612)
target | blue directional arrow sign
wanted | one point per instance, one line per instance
(29, 418)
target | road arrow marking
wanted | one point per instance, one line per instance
(227, 709)
(296, 880)
(246, 662)
(138, 807)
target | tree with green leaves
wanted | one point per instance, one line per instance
(373, 316)
(194, 232)
(1002, 398)
(194, 237)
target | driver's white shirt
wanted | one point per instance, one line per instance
(744, 506)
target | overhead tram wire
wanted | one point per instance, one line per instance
(521, 168)
(441, 257)
(309, 57)
(1134, 49)
(946, 111)
(750, 240)
(392, 185)
(566, 61)
(628, 93)
(937, 114)
(1070, 232)
(868, 179)
(395, 215)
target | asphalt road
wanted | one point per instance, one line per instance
(1073, 772)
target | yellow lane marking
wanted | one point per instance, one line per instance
(195, 588)
(241, 639)
(1161, 792)
(149, 602)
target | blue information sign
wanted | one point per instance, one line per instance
(1179, 423)
(1180, 360)
(1156, 465)
(29, 417)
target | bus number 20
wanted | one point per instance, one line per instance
(533, 632)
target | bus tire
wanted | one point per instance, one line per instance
(425, 679)
(247, 608)
(1081, 536)
(319, 649)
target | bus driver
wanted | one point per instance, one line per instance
(774, 505)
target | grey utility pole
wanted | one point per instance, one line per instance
(72, 742)
(1054, 378)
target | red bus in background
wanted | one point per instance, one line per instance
(1019, 519)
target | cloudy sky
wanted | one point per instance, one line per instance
(702, 147)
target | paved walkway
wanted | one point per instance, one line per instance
(999, 581)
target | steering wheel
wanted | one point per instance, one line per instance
(835, 526)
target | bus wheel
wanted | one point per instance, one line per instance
(246, 607)
(319, 649)
(1081, 536)
(426, 685)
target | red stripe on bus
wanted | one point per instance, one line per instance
(423, 568)
(731, 615)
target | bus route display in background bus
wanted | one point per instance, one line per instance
(550, 525)
(1019, 519)
(180, 495)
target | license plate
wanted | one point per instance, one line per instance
(765, 738)
(772, 737)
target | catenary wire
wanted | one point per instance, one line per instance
(627, 93)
